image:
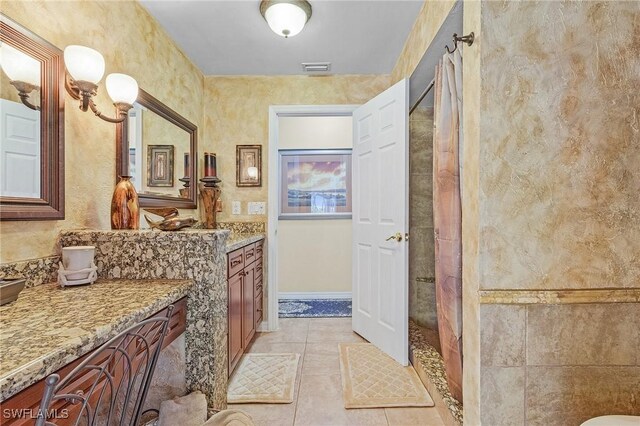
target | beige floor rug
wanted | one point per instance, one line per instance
(371, 378)
(267, 378)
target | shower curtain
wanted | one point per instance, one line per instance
(447, 214)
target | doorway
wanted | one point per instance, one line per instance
(309, 259)
(379, 216)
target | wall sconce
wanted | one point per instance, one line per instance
(286, 17)
(23, 72)
(85, 68)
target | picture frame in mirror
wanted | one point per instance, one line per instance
(160, 165)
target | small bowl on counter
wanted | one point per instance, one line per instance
(10, 289)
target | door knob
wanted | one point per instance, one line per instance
(398, 237)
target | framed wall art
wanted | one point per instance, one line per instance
(315, 184)
(160, 165)
(248, 165)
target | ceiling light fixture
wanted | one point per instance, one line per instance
(286, 17)
(85, 68)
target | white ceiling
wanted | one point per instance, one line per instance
(224, 37)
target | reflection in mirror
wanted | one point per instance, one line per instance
(31, 125)
(23, 73)
(20, 122)
(157, 147)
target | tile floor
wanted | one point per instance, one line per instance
(318, 395)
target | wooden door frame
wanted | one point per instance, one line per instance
(275, 112)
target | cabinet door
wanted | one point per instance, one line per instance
(235, 320)
(248, 296)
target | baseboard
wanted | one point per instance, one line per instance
(263, 327)
(312, 295)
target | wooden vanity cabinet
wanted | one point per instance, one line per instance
(245, 280)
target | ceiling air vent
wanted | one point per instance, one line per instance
(316, 67)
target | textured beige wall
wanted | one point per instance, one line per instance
(425, 28)
(314, 255)
(237, 113)
(131, 42)
(560, 145)
(471, 113)
(558, 148)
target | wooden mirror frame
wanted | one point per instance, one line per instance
(122, 154)
(50, 205)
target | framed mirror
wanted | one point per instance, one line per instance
(31, 125)
(157, 147)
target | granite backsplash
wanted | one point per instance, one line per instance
(36, 271)
(243, 227)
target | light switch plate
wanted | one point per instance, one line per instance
(235, 207)
(257, 207)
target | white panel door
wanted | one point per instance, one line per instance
(380, 212)
(19, 150)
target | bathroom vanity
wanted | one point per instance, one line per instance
(245, 282)
(51, 330)
(131, 265)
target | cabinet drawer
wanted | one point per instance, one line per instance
(235, 261)
(249, 254)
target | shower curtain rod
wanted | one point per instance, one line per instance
(427, 90)
(469, 39)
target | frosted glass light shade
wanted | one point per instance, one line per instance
(252, 172)
(286, 19)
(19, 66)
(84, 64)
(122, 88)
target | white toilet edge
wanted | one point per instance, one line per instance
(613, 421)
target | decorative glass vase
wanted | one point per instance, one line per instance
(125, 209)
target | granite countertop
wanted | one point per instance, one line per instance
(237, 240)
(49, 327)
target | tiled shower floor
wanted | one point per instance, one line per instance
(426, 359)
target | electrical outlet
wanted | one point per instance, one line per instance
(236, 207)
(256, 208)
